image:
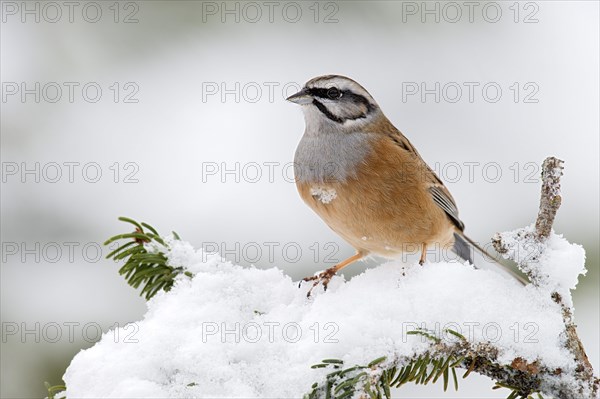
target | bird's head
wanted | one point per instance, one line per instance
(335, 102)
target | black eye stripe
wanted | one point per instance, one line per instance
(318, 92)
(346, 95)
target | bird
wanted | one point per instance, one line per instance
(368, 182)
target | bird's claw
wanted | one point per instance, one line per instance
(324, 277)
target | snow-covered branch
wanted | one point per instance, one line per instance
(222, 330)
(531, 249)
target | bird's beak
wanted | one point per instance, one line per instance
(302, 97)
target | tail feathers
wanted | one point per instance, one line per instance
(465, 248)
(462, 248)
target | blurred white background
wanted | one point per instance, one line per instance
(189, 92)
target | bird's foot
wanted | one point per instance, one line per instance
(324, 277)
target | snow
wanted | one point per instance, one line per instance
(325, 195)
(231, 331)
(555, 263)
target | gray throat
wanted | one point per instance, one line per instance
(329, 157)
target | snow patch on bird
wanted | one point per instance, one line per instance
(325, 195)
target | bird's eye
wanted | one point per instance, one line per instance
(334, 93)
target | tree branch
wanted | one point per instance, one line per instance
(510, 244)
(550, 199)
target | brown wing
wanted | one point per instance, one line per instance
(439, 193)
(444, 200)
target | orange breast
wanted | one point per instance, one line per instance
(386, 209)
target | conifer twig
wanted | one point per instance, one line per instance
(150, 268)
